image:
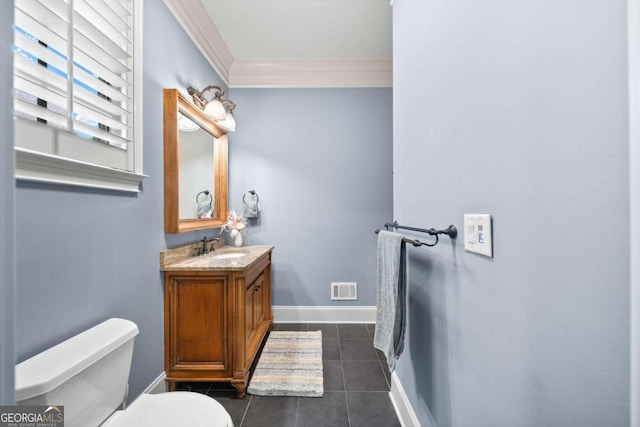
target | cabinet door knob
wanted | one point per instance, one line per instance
(257, 288)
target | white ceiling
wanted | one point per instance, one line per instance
(303, 29)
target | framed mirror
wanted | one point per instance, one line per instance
(195, 167)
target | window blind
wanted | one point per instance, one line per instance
(74, 72)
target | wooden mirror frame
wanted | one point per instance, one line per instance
(174, 101)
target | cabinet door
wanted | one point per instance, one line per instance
(250, 324)
(259, 301)
(254, 315)
(199, 327)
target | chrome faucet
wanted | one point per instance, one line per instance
(206, 249)
(213, 243)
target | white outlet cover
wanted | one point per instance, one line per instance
(478, 234)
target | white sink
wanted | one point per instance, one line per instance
(230, 255)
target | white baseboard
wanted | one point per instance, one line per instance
(159, 385)
(406, 414)
(326, 314)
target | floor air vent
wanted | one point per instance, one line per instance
(344, 291)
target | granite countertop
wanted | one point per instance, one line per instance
(220, 259)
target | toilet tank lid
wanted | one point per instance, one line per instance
(47, 370)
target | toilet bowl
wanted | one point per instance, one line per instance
(88, 374)
(178, 408)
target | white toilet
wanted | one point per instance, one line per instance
(89, 375)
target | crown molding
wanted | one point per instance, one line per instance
(311, 73)
(196, 22)
(347, 72)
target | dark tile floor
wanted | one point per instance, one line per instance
(356, 387)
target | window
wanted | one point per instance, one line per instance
(77, 92)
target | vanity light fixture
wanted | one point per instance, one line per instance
(185, 124)
(213, 108)
(228, 124)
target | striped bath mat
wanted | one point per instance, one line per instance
(290, 365)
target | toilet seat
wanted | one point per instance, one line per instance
(179, 408)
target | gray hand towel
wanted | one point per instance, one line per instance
(391, 297)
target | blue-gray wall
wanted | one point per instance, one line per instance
(634, 191)
(83, 255)
(517, 109)
(320, 159)
(7, 204)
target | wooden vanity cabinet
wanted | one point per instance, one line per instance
(215, 322)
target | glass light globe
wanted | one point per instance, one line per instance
(228, 124)
(185, 124)
(215, 110)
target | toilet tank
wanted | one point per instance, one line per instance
(87, 373)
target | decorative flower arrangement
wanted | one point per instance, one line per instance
(234, 225)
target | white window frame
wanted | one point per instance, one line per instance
(42, 167)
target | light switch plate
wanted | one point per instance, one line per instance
(478, 234)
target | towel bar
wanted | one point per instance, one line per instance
(450, 231)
